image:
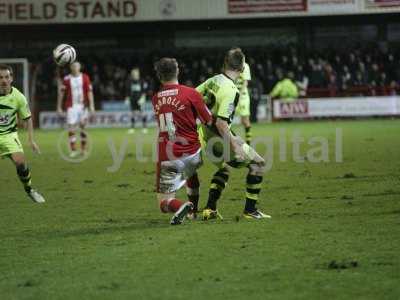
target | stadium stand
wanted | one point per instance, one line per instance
(358, 71)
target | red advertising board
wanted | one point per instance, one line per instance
(265, 6)
(296, 109)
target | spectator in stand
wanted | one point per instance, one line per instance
(359, 80)
(356, 67)
(346, 78)
(286, 89)
(390, 66)
(352, 63)
(256, 90)
(109, 91)
(368, 60)
(364, 72)
(383, 80)
(397, 70)
(317, 76)
(285, 65)
(330, 75)
(374, 75)
(337, 62)
(295, 62)
(270, 77)
(394, 88)
(301, 81)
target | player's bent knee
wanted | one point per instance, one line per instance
(257, 169)
(164, 206)
(163, 201)
(18, 159)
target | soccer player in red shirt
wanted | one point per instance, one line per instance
(177, 107)
(77, 93)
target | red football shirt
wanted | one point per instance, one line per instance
(176, 108)
(76, 90)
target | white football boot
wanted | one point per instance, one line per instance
(35, 196)
(181, 214)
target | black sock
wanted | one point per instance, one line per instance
(218, 184)
(144, 120)
(24, 175)
(250, 205)
(133, 122)
(253, 188)
(248, 134)
(195, 200)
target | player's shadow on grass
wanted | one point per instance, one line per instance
(107, 227)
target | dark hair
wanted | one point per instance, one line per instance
(7, 67)
(234, 60)
(166, 69)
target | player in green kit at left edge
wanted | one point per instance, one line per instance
(14, 107)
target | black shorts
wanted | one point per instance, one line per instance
(135, 105)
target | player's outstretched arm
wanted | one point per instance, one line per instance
(29, 125)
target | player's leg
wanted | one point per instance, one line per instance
(247, 128)
(24, 175)
(218, 184)
(134, 110)
(72, 122)
(72, 141)
(220, 178)
(84, 119)
(133, 119)
(244, 112)
(23, 171)
(168, 203)
(169, 180)
(144, 119)
(192, 163)
(83, 137)
(254, 180)
(256, 165)
(193, 192)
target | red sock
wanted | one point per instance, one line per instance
(83, 140)
(171, 205)
(72, 140)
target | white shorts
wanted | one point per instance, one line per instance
(172, 174)
(77, 114)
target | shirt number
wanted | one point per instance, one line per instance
(167, 125)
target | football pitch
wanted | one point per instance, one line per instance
(334, 232)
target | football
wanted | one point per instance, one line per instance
(64, 54)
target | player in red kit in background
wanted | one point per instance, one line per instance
(177, 107)
(76, 98)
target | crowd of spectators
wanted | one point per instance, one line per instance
(328, 72)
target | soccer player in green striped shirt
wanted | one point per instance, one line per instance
(14, 107)
(222, 146)
(243, 108)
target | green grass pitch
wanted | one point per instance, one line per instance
(335, 231)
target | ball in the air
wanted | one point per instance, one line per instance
(64, 54)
